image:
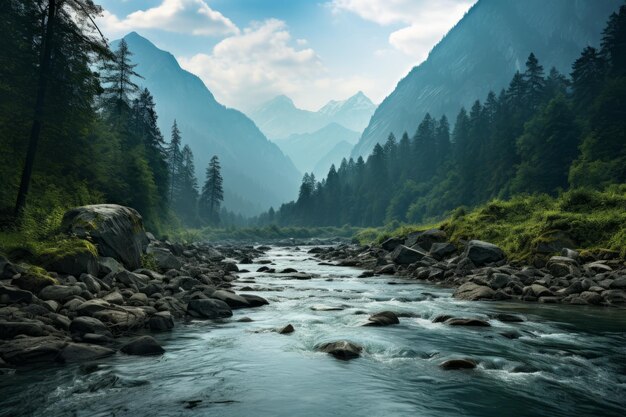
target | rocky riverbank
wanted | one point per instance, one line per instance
(480, 270)
(111, 291)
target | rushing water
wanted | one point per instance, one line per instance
(569, 361)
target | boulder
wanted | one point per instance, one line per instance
(164, 258)
(618, 283)
(122, 319)
(81, 352)
(29, 350)
(82, 325)
(467, 322)
(7, 269)
(482, 253)
(473, 292)
(343, 349)
(541, 291)
(208, 309)
(426, 239)
(114, 298)
(143, 345)
(233, 300)
(384, 318)
(454, 364)
(11, 295)
(33, 279)
(92, 284)
(138, 299)
(8, 329)
(442, 250)
(75, 258)
(286, 330)
(161, 321)
(391, 243)
(116, 230)
(254, 300)
(107, 265)
(403, 255)
(59, 292)
(91, 307)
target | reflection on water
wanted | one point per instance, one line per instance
(565, 361)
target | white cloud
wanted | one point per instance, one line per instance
(427, 21)
(263, 61)
(193, 17)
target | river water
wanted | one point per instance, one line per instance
(569, 361)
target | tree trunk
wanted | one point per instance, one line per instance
(44, 70)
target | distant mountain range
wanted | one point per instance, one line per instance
(279, 117)
(481, 53)
(256, 173)
(307, 149)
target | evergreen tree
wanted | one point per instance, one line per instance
(212, 191)
(117, 77)
(186, 201)
(174, 160)
(535, 82)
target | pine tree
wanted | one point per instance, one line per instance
(535, 82)
(587, 76)
(117, 77)
(174, 160)
(212, 191)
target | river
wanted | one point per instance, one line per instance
(568, 361)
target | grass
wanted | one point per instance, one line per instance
(525, 225)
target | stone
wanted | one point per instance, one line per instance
(143, 345)
(59, 292)
(286, 330)
(499, 280)
(116, 230)
(473, 292)
(75, 261)
(454, 364)
(82, 325)
(81, 352)
(8, 329)
(130, 279)
(344, 350)
(233, 300)
(482, 253)
(161, 321)
(391, 243)
(570, 253)
(108, 265)
(403, 255)
(33, 280)
(138, 299)
(209, 309)
(442, 250)
(30, 350)
(441, 318)
(618, 283)
(164, 258)
(384, 318)
(12, 295)
(591, 297)
(508, 318)
(467, 322)
(93, 286)
(114, 298)
(90, 307)
(254, 300)
(424, 240)
(122, 319)
(541, 291)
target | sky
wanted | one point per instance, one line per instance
(313, 51)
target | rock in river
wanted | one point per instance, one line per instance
(343, 349)
(467, 322)
(209, 309)
(143, 345)
(453, 364)
(405, 256)
(384, 318)
(481, 253)
(472, 292)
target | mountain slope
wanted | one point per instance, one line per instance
(334, 156)
(256, 173)
(279, 117)
(481, 53)
(306, 149)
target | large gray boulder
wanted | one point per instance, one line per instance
(473, 292)
(164, 258)
(482, 253)
(116, 230)
(343, 349)
(403, 255)
(209, 309)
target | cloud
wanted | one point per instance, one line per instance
(426, 21)
(193, 17)
(261, 62)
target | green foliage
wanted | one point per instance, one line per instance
(261, 233)
(148, 261)
(591, 220)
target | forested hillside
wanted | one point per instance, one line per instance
(544, 133)
(481, 53)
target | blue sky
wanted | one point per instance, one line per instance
(248, 51)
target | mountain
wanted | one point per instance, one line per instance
(334, 156)
(279, 117)
(306, 149)
(481, 53)
(256, 173)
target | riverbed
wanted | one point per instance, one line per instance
(562, 361)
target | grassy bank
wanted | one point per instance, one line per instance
(262, 233)
(526, 226)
